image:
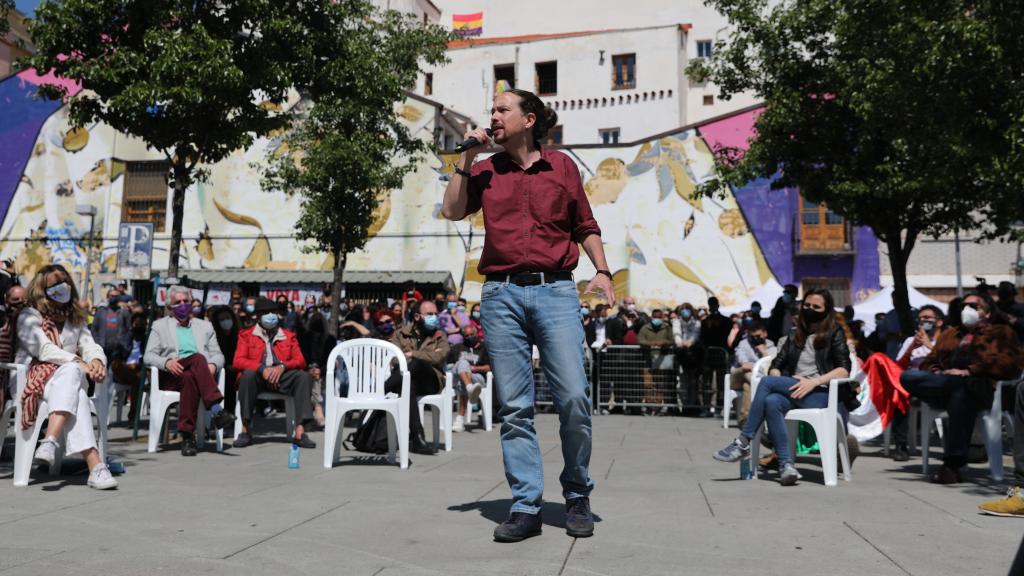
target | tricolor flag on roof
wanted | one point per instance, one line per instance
(466, 25)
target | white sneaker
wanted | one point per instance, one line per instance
(460, 424)
(101, 479)
(46, 453)
(474, 392)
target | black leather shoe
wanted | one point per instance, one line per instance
(188, 445)
(223, 419)
(900, 454)
(242, 440)
(304, 442)
(579, 520)
(518, 527)
(419, 445)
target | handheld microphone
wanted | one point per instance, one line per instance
(471, 142)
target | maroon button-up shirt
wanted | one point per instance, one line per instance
(533, 218)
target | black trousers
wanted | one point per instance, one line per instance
(295, 383)
(959, 396)
(422, 382)
(1018, 437)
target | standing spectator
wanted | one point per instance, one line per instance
(268, 359)
(197, 308)
(290, 320)
(410, 294)
(426, 348)
(686, 334)
(656, 338)
(55, 341)
(755, 346)
(397, 313)
(1014, 310)
(236, 296)
(128, 372)
(111, 327)
(185, 351)
(755, 311)
(470, 365)
(714, 333)
(780, 322)
(452, 320)
(226, 327)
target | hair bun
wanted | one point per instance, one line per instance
(550, 118)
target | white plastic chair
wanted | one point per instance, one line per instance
(368, 362)
(992, 428)
(25, 440)
(730, 396)
(289, 411)
(161, 400)
(486, 403)
(826, 423)
(441, 404)
(5, 420)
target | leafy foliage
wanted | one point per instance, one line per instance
(6, 6)
(901, 116)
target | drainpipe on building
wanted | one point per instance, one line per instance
(959, 278)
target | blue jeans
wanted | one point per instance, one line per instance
(515, 318)
(771, 402)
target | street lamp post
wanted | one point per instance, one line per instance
(90, 211)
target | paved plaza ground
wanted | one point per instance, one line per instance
(663, 507)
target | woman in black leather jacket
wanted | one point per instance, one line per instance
(813, 354)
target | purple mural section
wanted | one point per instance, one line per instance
(772, 217)
(21, 119)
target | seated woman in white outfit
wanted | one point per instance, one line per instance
(54, 340)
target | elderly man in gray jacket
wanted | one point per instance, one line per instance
(186, 352)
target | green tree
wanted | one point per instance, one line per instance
(351, 147)
(898, 115)
(5, 8)
(195, 79)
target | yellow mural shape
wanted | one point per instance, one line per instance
(381, 213)
(260, 255)
(684, 272)
(235, 217)
(76, 139)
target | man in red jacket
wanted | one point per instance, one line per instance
(268, 359)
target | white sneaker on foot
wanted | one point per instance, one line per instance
(474, 392)
(460, 424)
(101, 479)
(46, 453)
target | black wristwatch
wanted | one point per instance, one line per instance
(462, 172)
(606, 273)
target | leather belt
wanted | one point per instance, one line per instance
(531, 278)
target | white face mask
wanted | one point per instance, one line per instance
(59, 293)
(969, 316)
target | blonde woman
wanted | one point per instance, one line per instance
(54, 340)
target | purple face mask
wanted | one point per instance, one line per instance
(181, 311)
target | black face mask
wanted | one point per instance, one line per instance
(812, 316)
(756, 341)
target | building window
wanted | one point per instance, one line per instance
(822, 230)
(623, 71)
(839, 287)
(428, 84)
(554, 136)
(506, 72)
(709, 100)
(704, 48)
(547, 78)
(145, 193)
(609, 135)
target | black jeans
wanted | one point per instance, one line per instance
(959, 396)
(422, 382)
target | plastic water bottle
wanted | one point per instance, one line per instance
(115, 467)
(745, 472)
(293, 456)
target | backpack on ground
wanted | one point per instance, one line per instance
(371, 436)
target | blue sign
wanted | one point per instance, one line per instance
(135, 251)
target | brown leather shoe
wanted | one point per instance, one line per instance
(768, 461)
(946, 475)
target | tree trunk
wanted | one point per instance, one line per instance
(899, 253)
(340, 258)
(181, 182)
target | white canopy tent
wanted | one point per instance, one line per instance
(766, 295)
(881, 303)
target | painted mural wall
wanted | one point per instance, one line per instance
(664, 246)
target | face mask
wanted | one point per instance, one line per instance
(181, 311)
(411, 292)
(585, 311)
(928, 326)
(471, 341)
(430, 322)
(756, 341)
(631, 307)
(452, 305)
(969, 316)
(114, 302)
(747, 321)
(461, 309)
(656, 322)
(325, 309)
(686, 314)
(269, 320)
(342, 307)
(226, 324)
(476, 315)
(813, 316)
(386, 328)
(59, 293)
(309, 305)
(250, 308)
(196, 310)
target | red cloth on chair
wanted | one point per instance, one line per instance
(883, 374)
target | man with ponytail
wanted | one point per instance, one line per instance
(535, 216)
